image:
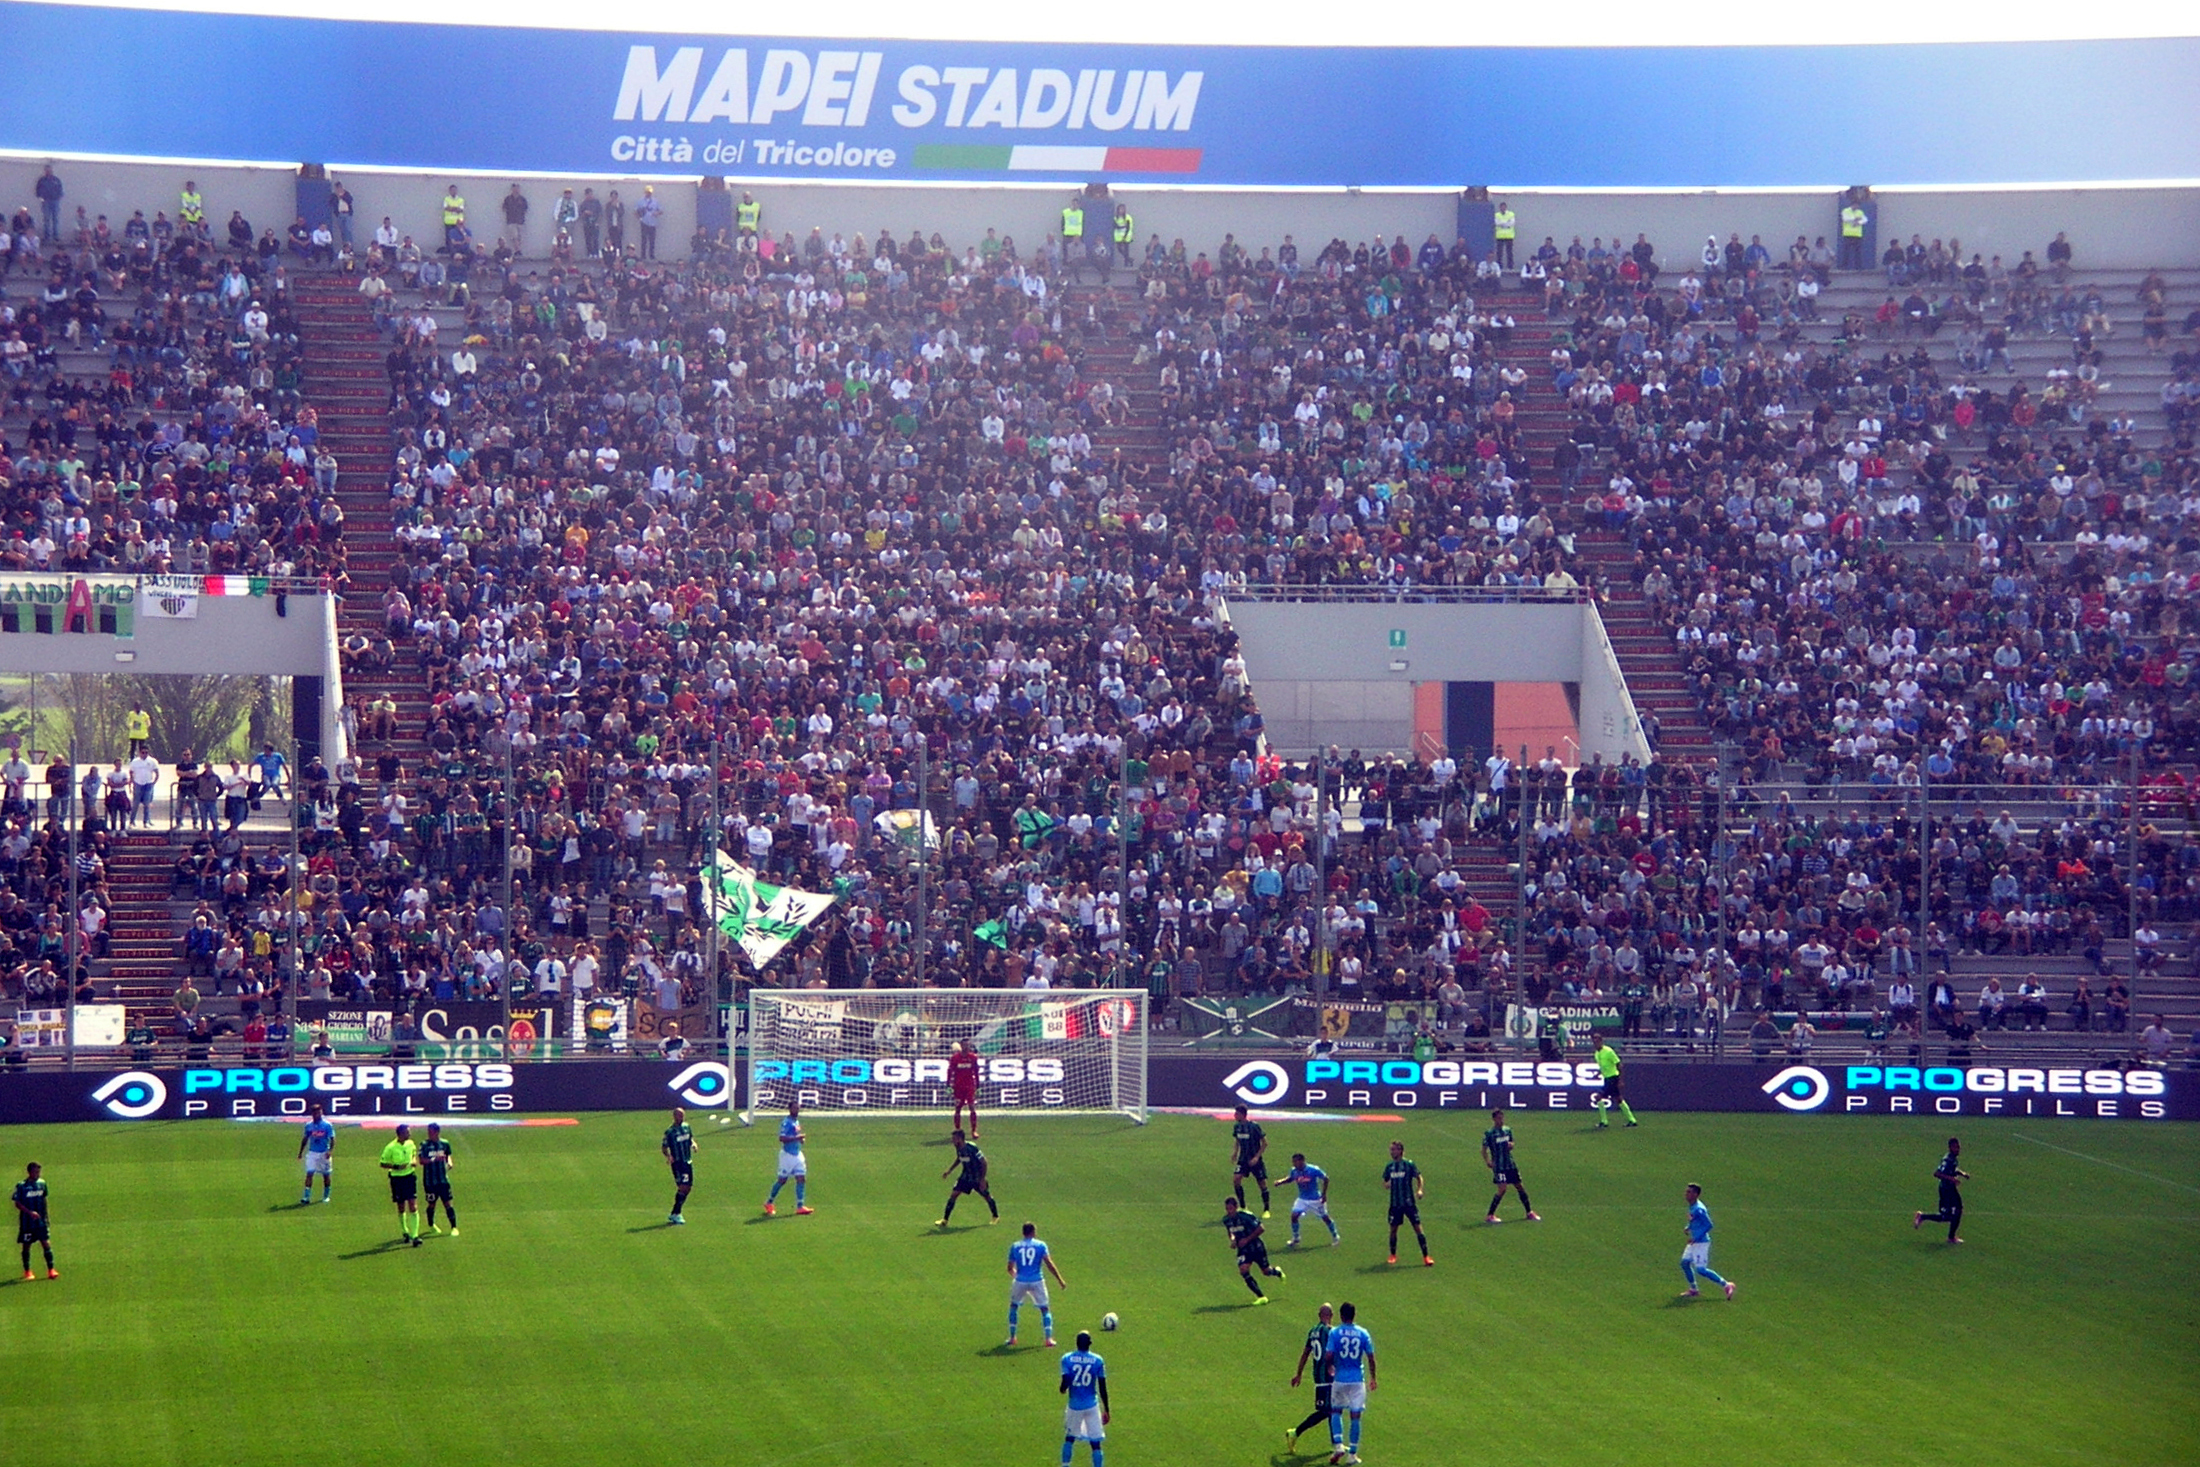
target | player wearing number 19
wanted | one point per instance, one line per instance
(1085, 1382)
(791, 1164)
(678, 1148)
(1351, 1352)
(1029, 1262)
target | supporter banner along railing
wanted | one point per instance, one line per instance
(143, 84)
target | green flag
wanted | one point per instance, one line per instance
(758, 916)
(995, 932)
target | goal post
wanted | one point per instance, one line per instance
(884, 1051)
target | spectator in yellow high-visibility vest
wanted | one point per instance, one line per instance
(137, 726)
(1853, 220)
(1508, 225)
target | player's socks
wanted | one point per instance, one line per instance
(1355, 1433)
(1525, 1205)
(1012, 1308)
(1336, 1430)
(1098, 1457)
(1252, 1283)
(1705, 1273)
(801, 1189)
(1046, 1322)
(1628, 1111)
(1239, 1188)
(1069, 1445)
(305, 1198)
(775, 1193)
(1264, 1201)
(1491, 1215)
(992, 1207)
(950, 1212)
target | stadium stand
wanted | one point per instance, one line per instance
(761, 519)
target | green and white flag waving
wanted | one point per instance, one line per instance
(762, 918)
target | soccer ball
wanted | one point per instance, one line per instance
(1109, 1322)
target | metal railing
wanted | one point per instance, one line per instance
(1366, 594)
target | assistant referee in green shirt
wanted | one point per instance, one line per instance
(401, 1159)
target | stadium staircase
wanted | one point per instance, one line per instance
(144, 965)
(349, 386)
(1655, 675)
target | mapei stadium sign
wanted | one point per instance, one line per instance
(621, 103)
(1350, 1083)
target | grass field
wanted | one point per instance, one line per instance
(203, 1318)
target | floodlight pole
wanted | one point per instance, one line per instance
(295, 891)
(711, 894)
(504, 986)
(924, 857)
(1123, 866)
(72, 926)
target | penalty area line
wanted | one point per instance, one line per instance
(2102, 1161)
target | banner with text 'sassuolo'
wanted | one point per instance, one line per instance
(229, 88)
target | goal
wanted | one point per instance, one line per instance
(880, 1051)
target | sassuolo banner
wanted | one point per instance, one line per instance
(1346, 1081)
(153, 84)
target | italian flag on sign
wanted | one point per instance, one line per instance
(234, 586)
(1054, 1021)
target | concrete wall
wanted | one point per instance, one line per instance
(235, 636)
(1331, 673)
(2123, 228)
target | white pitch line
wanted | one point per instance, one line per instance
(2100, 1161)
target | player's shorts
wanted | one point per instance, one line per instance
(1257, 1169)
(1507, 1175)
(1348, 1395)
(1410, 1213)
(438, 1191)
(1314, 1205)
(965, 1094)
(404, 1189)
(1255, 1253)
(1697, 1255)
(30, 1230)
(970, 1182)
(683, 1174)
(1023, 1293)
(1323, 1396)
(1082, 1423)
(1612, 1088)
(793, 1164)
(320, 1163)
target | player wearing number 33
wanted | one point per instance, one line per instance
(1085, 1382)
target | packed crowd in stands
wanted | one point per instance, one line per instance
(772, 518)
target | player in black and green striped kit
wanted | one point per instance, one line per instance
(31, 1220)
(679, 1149)
(1497, 1151)
(1315, 1353)
(1404, 1180)
(435, 1177)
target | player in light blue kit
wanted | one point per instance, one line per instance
(1085, 1382)
(1029, 1263)
(1351, 1356)
(791, 1164)
(1313, 1185)
(1696, 1257)
(317, 1148)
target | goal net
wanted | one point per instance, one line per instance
(877, 1051)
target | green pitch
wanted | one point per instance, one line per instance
(203, 1318)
